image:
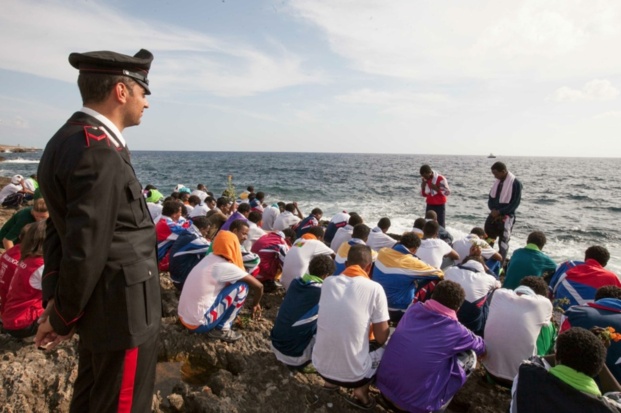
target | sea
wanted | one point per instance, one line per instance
(576, 202)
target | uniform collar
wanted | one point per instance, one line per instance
(116, 136)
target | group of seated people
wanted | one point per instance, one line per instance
(451, 303)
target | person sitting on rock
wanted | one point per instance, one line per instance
(478, 286)
(378, 238)
(216, 290)
(433, 250)
(11, 229)
(430, 354)
(344, 234)
(339, 220)
(529, 260)
(293, 335)
(272, 249)
(24, 300)
(300, 254)
(243, 210)
(564, 382)
(290, 218)
(255, 230)
(575, 282)
(358, 237)
(477, 238)
(310, 221)
(188, 249)
(443, 234)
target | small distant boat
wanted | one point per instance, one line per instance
(491, 155)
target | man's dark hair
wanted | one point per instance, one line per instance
(431, 229)
(250, 188)
(317, 211)
(201, 222)
(581, 350)
(95, 87)
(238, 224)
(476, 258)
(425, 169)
(321, 266)
(449, 294)
(260, 196)
(171, 207)
(149, 187)
(478, 231)
(175, 195)
(608, 291)
(384, 223)
(410, 240)
(222, 201)
(255, 217)
(431, 214)
(289, 234)
(499, 167)
(281, 205)
(31, 244)
(359, 255)
(419, 223)
(290, 207)
(316, 231)
(201, 187)
(194, 200)
(538, 238)
(537, 284)
(354, 219)
(243, 208)
(209, 199)
(361, 231)
(184, 197)
(597, 253)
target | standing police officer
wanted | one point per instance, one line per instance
(101, 277)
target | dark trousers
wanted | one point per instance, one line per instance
(116, 381)
(440, 211)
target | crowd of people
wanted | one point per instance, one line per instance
(412, 314)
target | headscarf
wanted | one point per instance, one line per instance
(226, 245)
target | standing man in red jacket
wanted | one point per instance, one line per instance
(435, 189)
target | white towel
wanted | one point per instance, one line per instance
(434, 180)
(507, 189)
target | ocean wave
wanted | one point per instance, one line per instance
(21, 160)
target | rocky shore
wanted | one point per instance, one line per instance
(196, 374)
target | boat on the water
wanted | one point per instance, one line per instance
(491, 155)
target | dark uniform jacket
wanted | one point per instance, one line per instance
(100, 248)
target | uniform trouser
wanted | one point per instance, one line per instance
(440, 212)
(117, 381)
(226, 307)
(501, 229)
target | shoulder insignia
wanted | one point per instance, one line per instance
(95, 133)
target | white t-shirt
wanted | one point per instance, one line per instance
(201, 194)
(254, 233)
(511, 330)
(474, 280)
(432, 250)
(347, 307)
(203, 285)
(342, 235)
(377, 239)
(269, 216)
(285, 220)
(9, 190)
(155, 210)
(199, 211)
(299, 256)
(462, 247)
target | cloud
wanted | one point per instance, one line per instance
(39, 35)
(400, 103)
(475, 39)
(597, 89)
(14, 122)
(611, 114)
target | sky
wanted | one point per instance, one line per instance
(509, 77)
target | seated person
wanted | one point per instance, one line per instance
(154, 200)
(576, 283)
(430, 354)
(257, 202)
(272, 249)
(255, 231)
(378, 238)
(343, 234)
(251, 261)
(443, 234)
(476, 237)
(310, 221)
(224, 205)
(564, 383)
(402, 275)
(201, 209)
(200, 192)
(14, 191)
(300, 254)
(339, 220)
(359, 236)
(478, 286)
(290, 218)
(351, 306)
(216, 290)
(167, 229)
(419, 224)
(605, 311)
(24, 300)
(188, 249)
(270, 213)
(293, 335)
(433, 250)
(515, 320)
(243, 210)
(529, 261)
(10, 231)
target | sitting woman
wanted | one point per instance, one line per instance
(24, 303)
(568, 386)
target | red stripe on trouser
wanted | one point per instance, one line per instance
(126, 394)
